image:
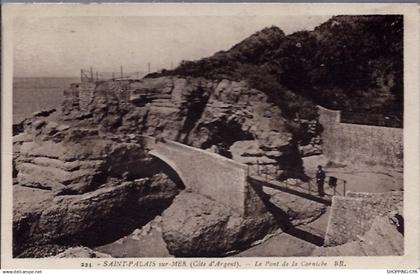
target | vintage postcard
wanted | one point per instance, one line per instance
(210, 136)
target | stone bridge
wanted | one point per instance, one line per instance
(206, 173)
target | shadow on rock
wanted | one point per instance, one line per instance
(284, 219)
(94, 218)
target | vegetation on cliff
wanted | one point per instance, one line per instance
(351, 63)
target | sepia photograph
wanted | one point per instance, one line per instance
(208, 136)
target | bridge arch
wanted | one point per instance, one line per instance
(169, 168)
(203, 172)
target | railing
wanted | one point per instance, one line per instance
(309, 188)
(92, 76)
(332, 186)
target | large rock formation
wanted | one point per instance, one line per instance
(93, 218)
(78, 167)
(195, 111)
(96, 182)
(75, 185)
(298, 210)
(195, 226)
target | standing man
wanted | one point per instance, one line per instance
(320, 178)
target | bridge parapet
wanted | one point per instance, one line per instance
(204, 172)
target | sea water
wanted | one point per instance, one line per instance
(31, 94)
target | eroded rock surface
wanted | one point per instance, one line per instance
(194, 111)
(195, 226)
(92, 218)
(98, 183)
(298, 210)
(77, 167)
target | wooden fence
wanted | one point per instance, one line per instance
(89, 75)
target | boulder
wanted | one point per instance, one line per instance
(249, 148)
(44, 112)
(310, 150)
(299, 210)
(195, 226)
(92, 218)
(28, 205)
(18, 140)
(52, 178)
(78, 167)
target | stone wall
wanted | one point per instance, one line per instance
(86, 94)
(78, 97)
(351, 143)
(352, 215)
(205, 173)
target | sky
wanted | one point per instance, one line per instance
(61, 46)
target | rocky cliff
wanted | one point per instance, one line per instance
(225, 116)
(93, 180)
(75, 185)
(82, 175)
